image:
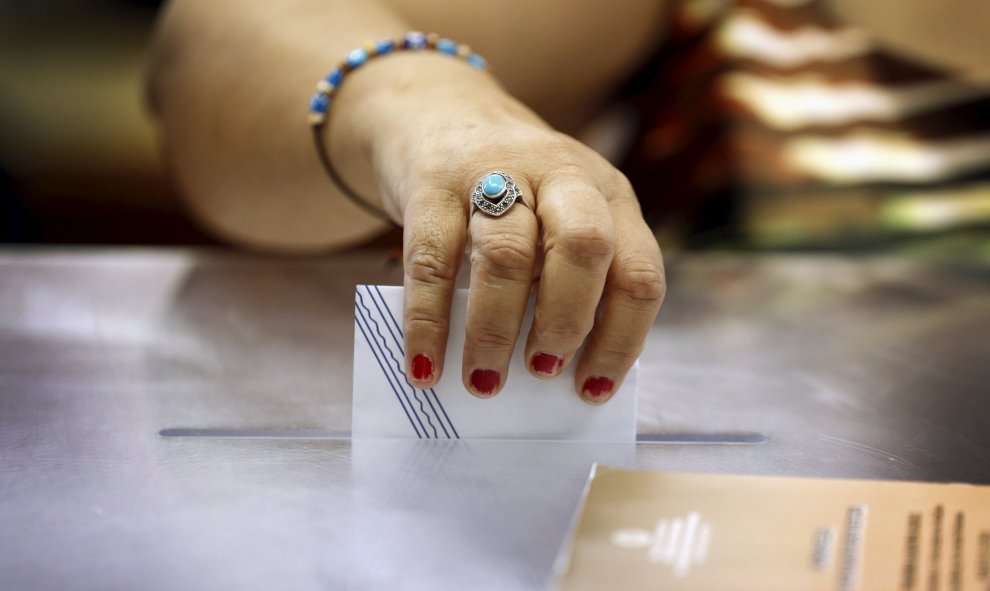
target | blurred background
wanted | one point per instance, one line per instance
(78, 160)
(853, 125)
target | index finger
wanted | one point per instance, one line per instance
(433, 246)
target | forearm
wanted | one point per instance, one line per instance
(230, 85)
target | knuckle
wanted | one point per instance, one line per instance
(557, 145)
(571, 155)
(620, 348)
(641, 280)
(433, 199)
(427, 263)
(623, 190)
(505, 256)
(562, 332)
(589, 240)
(491, 338)
(421, 322)
(622, 182)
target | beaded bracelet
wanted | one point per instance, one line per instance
(325, 89)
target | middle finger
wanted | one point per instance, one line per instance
(578, 244)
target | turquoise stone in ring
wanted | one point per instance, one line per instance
(493, 186)
(495, 193)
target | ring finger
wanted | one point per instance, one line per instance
(502, 259)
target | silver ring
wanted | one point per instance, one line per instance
(495, 193)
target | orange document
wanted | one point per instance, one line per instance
(657, 530)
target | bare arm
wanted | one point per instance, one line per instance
(231, 80)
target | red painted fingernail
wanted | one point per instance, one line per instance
(422, 367)
(546, 364)
(485, 381)
(597, 387)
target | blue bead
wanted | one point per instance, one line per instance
(319, 103)
(384, 46)
(493, 185)
(415, 41)
(335, 77)
(477, 61)
(357, 57)
(447, 46)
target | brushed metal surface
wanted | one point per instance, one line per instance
(174, 419)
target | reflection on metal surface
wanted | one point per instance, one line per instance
(466, 514)
(643, 438)
(703, 438)
(255, 433)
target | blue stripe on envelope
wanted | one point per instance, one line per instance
(377, 324)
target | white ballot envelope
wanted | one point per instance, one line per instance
(386, 405)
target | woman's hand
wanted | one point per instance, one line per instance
(431, 128)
